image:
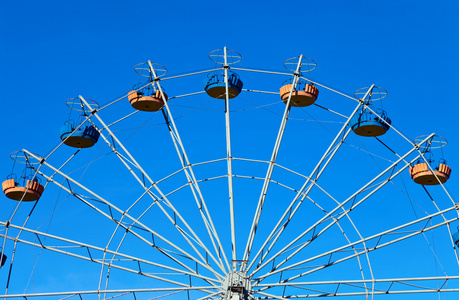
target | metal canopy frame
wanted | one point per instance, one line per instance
(275, 265)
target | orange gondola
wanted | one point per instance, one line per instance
(146, 94)
(145, 102)
(31, 191)
(27, 187)
(304, 94)
(422, 174)
(427, 170)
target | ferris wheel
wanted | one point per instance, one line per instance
(231, 183)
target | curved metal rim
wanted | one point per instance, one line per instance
(214, 57)
(160, 70)
(436, 142)
(382, 93)
(23, 158)
(309, 62)
(77, 105)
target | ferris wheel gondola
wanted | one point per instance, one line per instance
(369, 120)
(27, 186)
(77, 131)
(302, 93)
(145, 96)
(428, 170)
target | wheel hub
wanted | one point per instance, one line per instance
(236, 286)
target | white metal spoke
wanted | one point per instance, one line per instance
(324, 219)
(298, 200)
(119, 291)
(305, 189)
(201, 204)
(74, 245)
(375, 240)
(197, 194)
(37, 171)
(229, 158)
(136, 222)
(269, 172)
(353, 198)
(155, 198)
(111, 206)
(102, 262)
(417, 285)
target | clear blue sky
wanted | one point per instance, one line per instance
(54, 50)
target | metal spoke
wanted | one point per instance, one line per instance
(90, 257)
(163, 196)
(229, 158)
(272, 162)
(120, 291)
(305, 189)
(111, 206)
(197, 194)
(353, 198)
(383, 286)
(374, 239)
(155, 198)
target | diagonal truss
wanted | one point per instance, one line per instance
(354, 204)
(306, 188)
(155, 198)
(377, 241)
(112, 207)
(73, 248)
(272, 162)
(339, 288)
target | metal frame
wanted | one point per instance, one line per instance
(207, 260)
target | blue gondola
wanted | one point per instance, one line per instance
(84, 137)
(74, 135)
(3, 259)
(216, 88)
(456, 237)
(366, 123)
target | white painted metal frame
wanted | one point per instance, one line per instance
(219, 265)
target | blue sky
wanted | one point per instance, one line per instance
(55, 50)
